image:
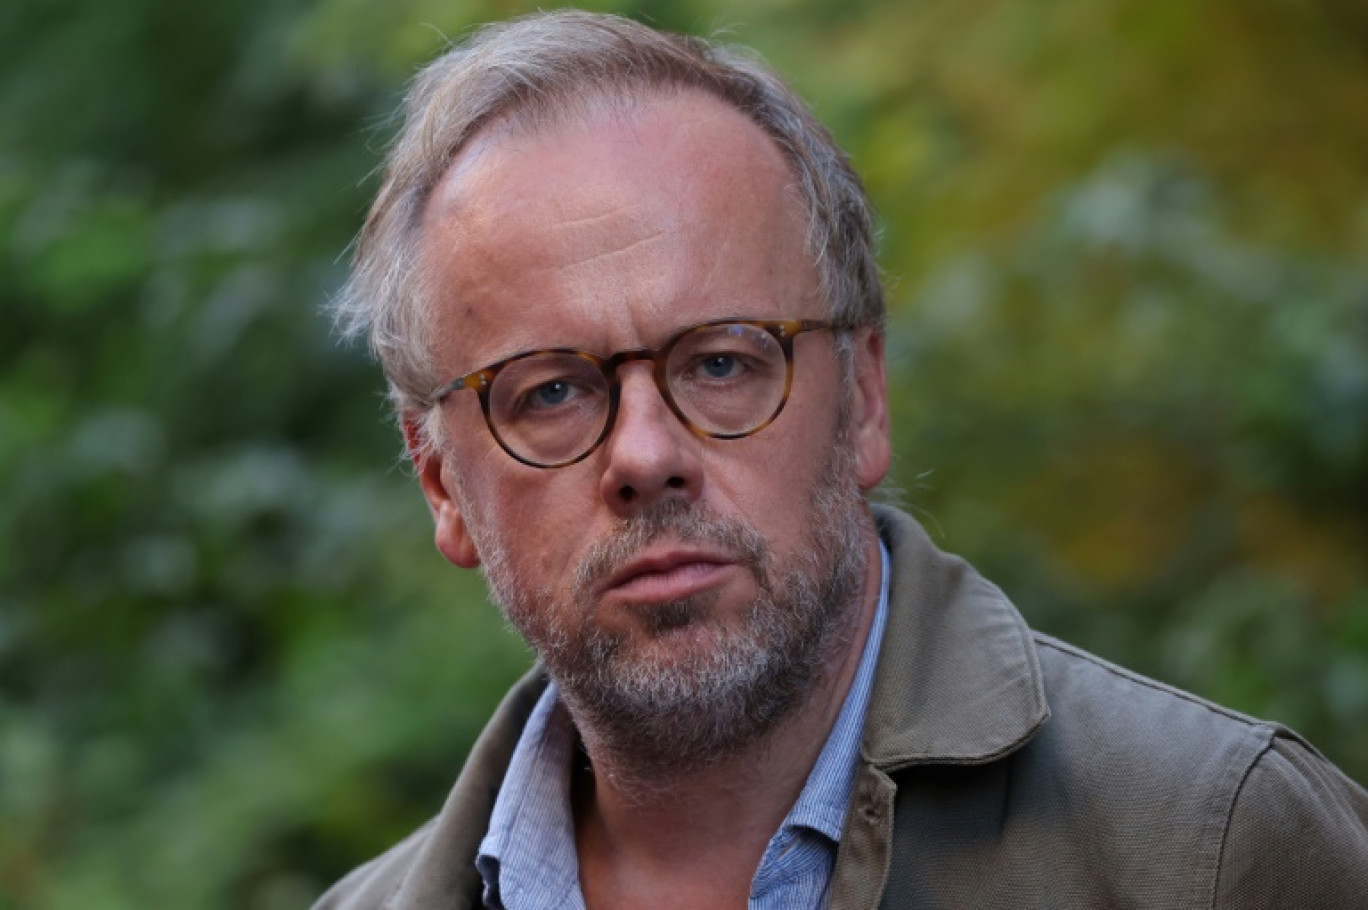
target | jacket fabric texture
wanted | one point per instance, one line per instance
(1001, 768)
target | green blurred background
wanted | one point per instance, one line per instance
(1127, 251)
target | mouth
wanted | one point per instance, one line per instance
(668, 575)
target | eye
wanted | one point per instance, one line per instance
(551, 394)
(553, 397)
(547, 387)
(720, 366)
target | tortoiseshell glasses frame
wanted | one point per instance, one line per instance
(723, 379)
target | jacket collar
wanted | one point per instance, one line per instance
(958, 680)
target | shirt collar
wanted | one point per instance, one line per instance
(530, 845)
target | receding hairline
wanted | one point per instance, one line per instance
(590, 106)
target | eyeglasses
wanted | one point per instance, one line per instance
(723, 379)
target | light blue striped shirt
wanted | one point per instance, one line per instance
(527, 858)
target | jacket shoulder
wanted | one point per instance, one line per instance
(1150, 719)
(1136, 760)
(1297, 837)
(1240, 812)
(1132, 794)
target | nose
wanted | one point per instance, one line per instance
(649, 456)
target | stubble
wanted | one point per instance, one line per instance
(661, 712)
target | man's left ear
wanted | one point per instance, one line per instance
(869, 410)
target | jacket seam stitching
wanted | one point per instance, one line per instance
(1229, 820)
(1120, 673)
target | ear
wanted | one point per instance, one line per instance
(869, 410)
(434, 477)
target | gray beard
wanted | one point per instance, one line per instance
(650, 721)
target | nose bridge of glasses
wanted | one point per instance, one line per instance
(612, 367)
(656, 358)
(622, 358)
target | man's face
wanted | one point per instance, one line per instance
(663, 559)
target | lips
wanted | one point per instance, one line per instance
(667, 575)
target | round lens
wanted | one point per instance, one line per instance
(727, 379)
(548, 408)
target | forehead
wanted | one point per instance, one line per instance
(625, 219)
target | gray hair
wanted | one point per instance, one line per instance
(535, 66)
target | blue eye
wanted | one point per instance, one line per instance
(551, 394)
(720, 366)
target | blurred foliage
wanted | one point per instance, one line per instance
(1127, 245)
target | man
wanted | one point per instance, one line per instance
(622, 286)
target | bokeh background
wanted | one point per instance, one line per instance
(1127, 249)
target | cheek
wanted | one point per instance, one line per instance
(540, 523)
(776, 479)
(763, 480)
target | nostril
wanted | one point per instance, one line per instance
(675, 483)
(627, 494)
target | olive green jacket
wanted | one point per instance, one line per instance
(1003, 769)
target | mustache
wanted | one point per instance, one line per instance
(675, 520)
